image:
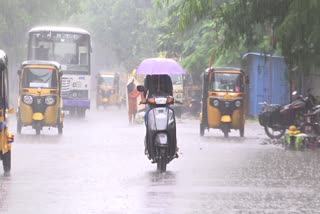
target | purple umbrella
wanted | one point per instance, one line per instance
(159, 66)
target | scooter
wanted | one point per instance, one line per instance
(160, 140)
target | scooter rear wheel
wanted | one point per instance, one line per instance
(162, 162)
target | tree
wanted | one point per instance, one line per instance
(291, 25)
(122, 34)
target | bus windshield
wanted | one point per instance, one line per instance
(39, 78)
(231, 82)
(71, 50)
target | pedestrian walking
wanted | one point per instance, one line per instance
(133, 94)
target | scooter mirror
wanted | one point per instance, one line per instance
(140, 88)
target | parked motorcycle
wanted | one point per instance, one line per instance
(276, 118)
(311, 125)
(160, 141)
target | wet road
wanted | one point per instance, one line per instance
(98, 166)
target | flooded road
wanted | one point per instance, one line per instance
(98, 166)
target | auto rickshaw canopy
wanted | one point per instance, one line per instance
(40, 62)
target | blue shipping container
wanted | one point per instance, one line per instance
(267, 81)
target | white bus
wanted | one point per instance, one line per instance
(71, 47)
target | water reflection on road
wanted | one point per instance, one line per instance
(98, 166)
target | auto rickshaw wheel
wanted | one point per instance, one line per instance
(241, 130)
(201, 130)
(72, 112)
(19, 127)
(226, 133)
(225, 128)
(38, 128)
(81, 112)
(60, 128)
(6, 161)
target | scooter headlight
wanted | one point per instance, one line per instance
(50, 100)
(238, 103)
(27, 99)
(216, 103)
(161, 139)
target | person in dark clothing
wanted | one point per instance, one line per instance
(153, 84)
(158, 83)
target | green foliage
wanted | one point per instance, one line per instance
(122, 34)
(287, 27)
(18, 16)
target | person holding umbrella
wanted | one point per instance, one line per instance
(157, 83)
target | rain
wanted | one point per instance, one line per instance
(117, 106)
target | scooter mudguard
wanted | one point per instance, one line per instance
(37, 116)
(226, 119)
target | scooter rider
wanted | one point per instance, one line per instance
(154, 84)
(157, 83)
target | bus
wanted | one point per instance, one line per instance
(71, 47)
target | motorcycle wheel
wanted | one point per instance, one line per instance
(162, 162)
(274, 134)
(6, 161)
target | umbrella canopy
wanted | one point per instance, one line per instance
(159, 66)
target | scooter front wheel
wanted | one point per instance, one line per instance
(274, 134)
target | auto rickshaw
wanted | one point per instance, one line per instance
(6, 138)
(223, 100)
(40, 101)
(108, 90)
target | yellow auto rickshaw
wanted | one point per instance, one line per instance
(40, 101)
(6, 138)
(108, 89)
(223, 100)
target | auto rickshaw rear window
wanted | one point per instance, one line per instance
(229, 82)
(39, 78)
